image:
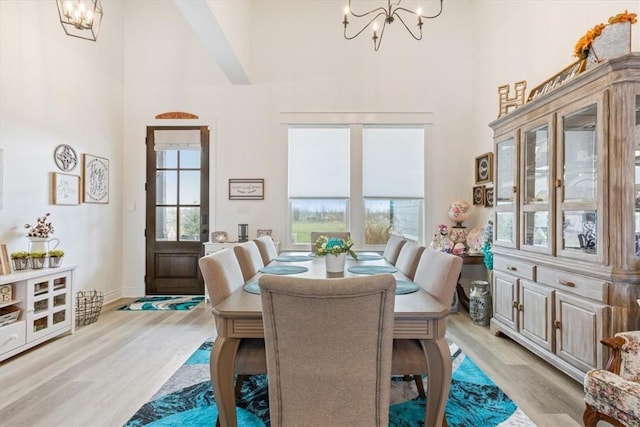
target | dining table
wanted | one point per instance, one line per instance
(417, 315)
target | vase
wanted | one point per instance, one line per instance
(614, 41)
(480, 303)
(42, 244)
(335, 263)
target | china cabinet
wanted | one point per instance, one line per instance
(44, 299)
(567, 217)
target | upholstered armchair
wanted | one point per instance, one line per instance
(613, 394)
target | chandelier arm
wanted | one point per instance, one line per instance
(395, 12)
(365, 27)
(379, 41)
(380, 9)
(419, 37)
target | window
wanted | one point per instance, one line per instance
(368, 180)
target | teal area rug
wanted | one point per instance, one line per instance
(187, 399)
(160, 303)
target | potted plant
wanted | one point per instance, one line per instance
(20, 260)
(55, 257)
(38, 259)
(335, 249)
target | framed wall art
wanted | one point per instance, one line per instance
(478, 195)
(488, 197)
(95, 184)
(484, 168)
(246, 189)
(65, 189)
(264, 232)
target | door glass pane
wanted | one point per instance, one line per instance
(166, 224)
(190, 159)
(167, 187)
(505, 172)
(579, 231)
(190, 224)
(504, 226)
(536, 229)
(637, 182)
(189, 187)
(309, 215)
(166, 159)
(580, 154)
(536, 157)
(59, 317)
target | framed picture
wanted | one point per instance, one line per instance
(246, 189)
(95, 184)
(65, 189)
(484, 168)
(478, 195)
(488, 197)
(264, 232)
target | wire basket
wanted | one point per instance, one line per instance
(88, 307)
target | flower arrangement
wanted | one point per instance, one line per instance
(41, 229)
(581, 49)
(443, 229)
(334, 246)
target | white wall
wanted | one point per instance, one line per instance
(299, 63)
(55, 89)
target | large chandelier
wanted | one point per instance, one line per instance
(387, 16)
(80, 18)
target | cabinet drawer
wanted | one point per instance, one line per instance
(12, 336)
(584, 286)
(517, 268)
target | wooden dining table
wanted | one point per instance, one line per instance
(418, 315)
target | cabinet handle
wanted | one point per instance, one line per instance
(510, 268)
(514, 189)
(557, 324)
(13, 337)
(514, 304)
(520, 307)
(558, 183)
(566, 283)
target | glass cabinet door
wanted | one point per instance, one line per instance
(536, 190)
(578, 220)
(505, 192)
(636, 141)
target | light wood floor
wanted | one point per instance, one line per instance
(103, 373)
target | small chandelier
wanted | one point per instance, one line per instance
(388, 14)
(80, 18)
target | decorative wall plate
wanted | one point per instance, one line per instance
(65, 157)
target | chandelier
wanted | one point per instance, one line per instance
(80, 18)
(387, 15)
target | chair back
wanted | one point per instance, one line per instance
(392, 249)
(249, 259)
(438, 274)
(222, 274)
(408, 259)
(328, 344)
(344, 235)
(267, 248)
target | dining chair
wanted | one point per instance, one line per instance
(408, 258)
(328, 344)
(222, 276)
(249, 258)
(345, 235)
(267, 248)
(437, 273)
(392, 249)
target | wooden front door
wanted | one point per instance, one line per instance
(177, 208)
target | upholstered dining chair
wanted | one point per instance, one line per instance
(345, 235)
(613, 394)
(328, 344)
(249, 258)
(408, 258)
(222, 276)
(392, 249)
(267, 248)
(437, 273)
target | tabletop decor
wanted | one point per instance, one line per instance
(335, 250)
(38, 235)
(606, 40)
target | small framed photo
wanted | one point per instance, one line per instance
(65, 189)
(246, 189)
(95, 184)
(478, 195)
(488, 197)
(264, 232)
(484, 168)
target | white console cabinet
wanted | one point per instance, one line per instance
(45, 300)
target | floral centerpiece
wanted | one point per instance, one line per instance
(334, 246)
(42, 229)
(582, 47)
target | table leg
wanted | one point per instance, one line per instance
(222, 364)
(439, 367)
(462, 297)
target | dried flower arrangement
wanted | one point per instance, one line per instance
(581, 49)
(42, 228)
